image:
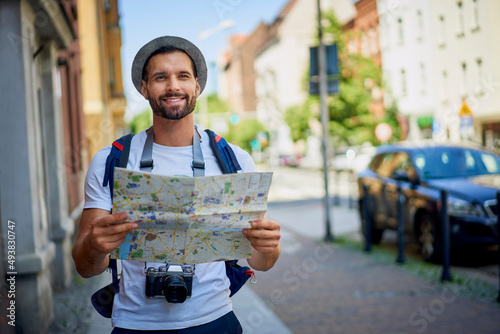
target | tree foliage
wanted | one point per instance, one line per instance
(351, 122)
(244, 133)
(141, 121)
(214, 104)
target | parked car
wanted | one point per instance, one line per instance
(471, 176)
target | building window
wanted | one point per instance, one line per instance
(111, 73)
(420, 27)
(461, 24)
(107, 5)
(475, 15)
(365, 47)
(442, 31)
(423, 79)
(385, 37)
(444, 86)
(400, 31)
(479, 88)
(352, 46)
(403, 83)
(372, 34)
(465, 85)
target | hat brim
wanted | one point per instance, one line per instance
(177, 42)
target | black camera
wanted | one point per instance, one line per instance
(173, 282)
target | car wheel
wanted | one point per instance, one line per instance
(376, 233)
(428, 239)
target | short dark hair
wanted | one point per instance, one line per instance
(164, 49)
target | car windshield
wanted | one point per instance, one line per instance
(449, 162)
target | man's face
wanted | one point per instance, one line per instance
(171, 87)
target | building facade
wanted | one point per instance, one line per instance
(41, 151)
(281, 68)
(102, 85)
(407, 49)
(467, 70)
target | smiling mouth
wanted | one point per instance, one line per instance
(173, 99)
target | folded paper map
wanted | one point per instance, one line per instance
(188, 219)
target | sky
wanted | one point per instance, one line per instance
(144, 20)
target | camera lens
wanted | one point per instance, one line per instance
(175, 289)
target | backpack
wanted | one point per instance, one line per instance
(102, 300)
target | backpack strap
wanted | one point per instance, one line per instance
(118, 157)
(224, 154)
(228, 164)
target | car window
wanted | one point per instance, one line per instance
(387, 164)
(375, 163)
(490, 163)
(442, 162)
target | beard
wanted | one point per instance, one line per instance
(172, 112)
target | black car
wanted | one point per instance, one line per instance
(471, 176)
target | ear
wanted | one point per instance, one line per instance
(198, 89)
(144, 91)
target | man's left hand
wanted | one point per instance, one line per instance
(264, 236)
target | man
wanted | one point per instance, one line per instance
(171, 73)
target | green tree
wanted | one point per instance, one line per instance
(141, 121)
(297, 118)
(214, 104)
(244, 133)
(351, 122)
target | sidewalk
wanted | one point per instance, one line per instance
(323, 288)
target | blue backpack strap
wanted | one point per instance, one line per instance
(118, 157)
(223, 153)
(228, 164)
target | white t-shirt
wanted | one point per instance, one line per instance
(210, 295)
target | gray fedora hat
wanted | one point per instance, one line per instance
(177, 42)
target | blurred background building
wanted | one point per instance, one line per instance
(102, 85)
(44, 150)
(276, 57)
(466, 70)
(438, 59)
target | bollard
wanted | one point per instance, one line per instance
(336, 199)
(445, 229)
(368, 222)
(401, 244)
(498, 237)
(351, 189)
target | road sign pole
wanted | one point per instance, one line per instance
(324, 120)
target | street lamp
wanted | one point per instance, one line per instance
(223, 25)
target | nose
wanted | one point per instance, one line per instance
(173, 84)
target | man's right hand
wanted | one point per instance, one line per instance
(99, 233)
(109, 232)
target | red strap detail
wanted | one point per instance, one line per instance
(217, 138)
(118, 145)
(249, 272)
